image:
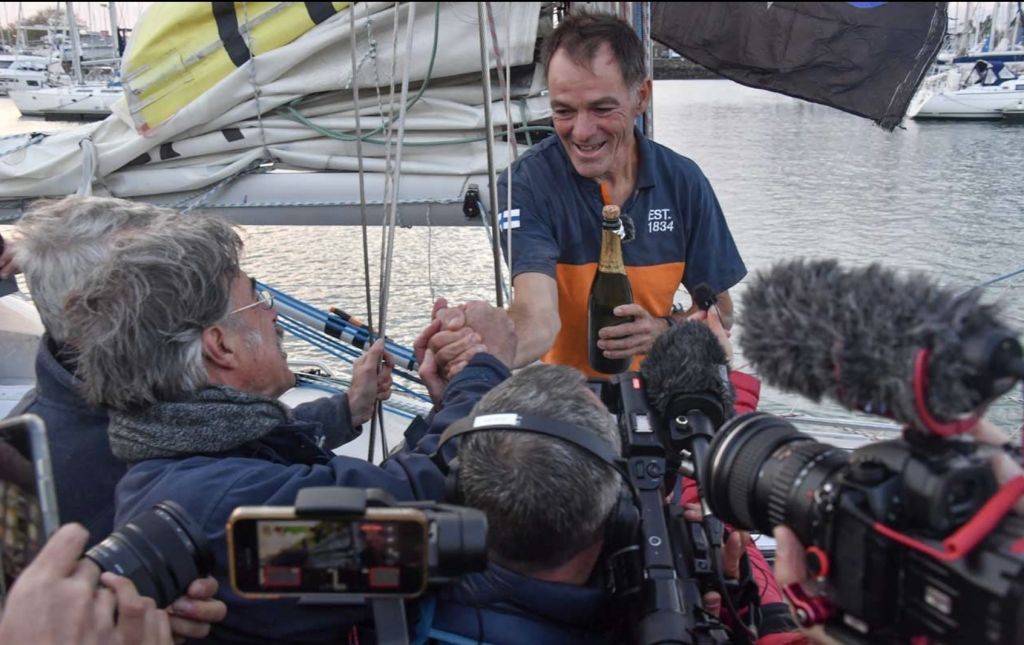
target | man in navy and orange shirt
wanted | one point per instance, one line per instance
(598, 85)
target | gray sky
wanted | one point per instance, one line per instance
(94, 14)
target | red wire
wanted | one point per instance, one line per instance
(930, 423)
(970, 534)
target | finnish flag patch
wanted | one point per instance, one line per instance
(508, 219)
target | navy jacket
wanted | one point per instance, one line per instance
(271, 471)
(501, 607)
(85, 471)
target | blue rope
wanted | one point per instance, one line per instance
(334, 348)
(361, 334)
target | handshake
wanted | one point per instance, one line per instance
(455, 335)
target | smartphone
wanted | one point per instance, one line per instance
(28, 500)
(272, 553)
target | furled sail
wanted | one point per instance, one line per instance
(179, 50)
(213, 96)
(866, 58)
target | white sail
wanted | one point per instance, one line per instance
(291, 108)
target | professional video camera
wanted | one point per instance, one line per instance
(911, 537)
(664, 568)
(343, 545)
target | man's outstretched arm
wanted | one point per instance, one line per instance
(534, 310)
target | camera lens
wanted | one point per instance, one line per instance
(763, 473)
(161, 550)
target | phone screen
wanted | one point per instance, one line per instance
(27, 509)
(337, 556)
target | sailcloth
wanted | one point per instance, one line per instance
(210, 96)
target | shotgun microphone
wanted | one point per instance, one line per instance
(878, 342)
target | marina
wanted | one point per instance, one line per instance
(358, 147)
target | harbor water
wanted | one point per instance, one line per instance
(794, 180)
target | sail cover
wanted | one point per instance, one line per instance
(866, 58)
(214, 91)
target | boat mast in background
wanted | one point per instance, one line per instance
(76, 44)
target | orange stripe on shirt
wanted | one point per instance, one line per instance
(653, 286)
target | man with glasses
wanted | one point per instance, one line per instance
(57, 244)
(181, 348)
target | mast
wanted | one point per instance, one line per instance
(115, 34)
(76, 46)
(19, 36)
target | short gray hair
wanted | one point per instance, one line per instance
(581, 35)
(62, 241)
(545, 499)
(138, 320)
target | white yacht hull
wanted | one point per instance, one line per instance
(67, 102)
(20, 81)
(977, 102)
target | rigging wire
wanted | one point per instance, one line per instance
(362, 176)
(988, 283)
(377, 418)
(388, 135)
(510, 136)
(485, 66)
(250, 41)
(395, 184)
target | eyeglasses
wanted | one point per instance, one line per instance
(264, 299)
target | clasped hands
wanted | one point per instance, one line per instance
(456, 334)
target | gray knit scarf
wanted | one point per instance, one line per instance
(214, 419)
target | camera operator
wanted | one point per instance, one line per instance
(547, 503)
(790, 557)
(56, 601)
(178, 345)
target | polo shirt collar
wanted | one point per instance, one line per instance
(645, 168)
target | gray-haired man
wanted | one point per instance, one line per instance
(57, 244)
(184, 352)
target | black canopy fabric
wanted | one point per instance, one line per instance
(866, 58)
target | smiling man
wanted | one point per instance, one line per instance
(598, 84)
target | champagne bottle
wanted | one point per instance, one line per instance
(610, 289)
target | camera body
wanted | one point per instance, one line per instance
(662, 571)
(888, 528)
(350, 543)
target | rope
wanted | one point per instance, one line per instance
(191, 202)
(504, 70)
(511, 138)
(395, 182)
(485, 223)
(291, 113)
(430, 258)
(33, 138)
(294, 114)
(88, 167)
(250, 43)
(362, 177)
(485, 66)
